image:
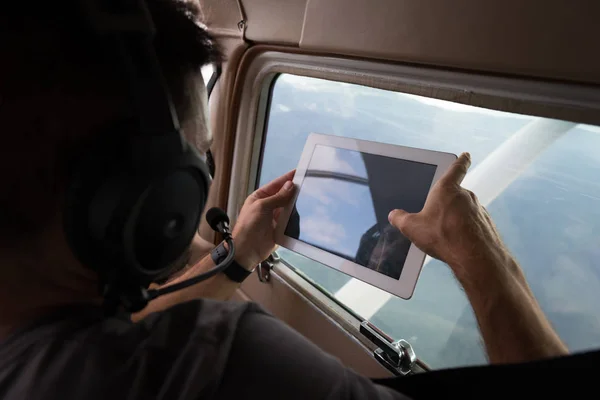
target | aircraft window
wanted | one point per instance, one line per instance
(210, 74)
(538, 177)
(207, 72)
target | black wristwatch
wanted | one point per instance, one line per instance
(234, 271)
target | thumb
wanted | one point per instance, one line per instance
(281, 198)
(403, 221)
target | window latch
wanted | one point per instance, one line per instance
(263, 270)
(398, 357)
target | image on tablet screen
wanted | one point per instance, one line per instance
(344, 201)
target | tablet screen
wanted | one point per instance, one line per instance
(344, 201)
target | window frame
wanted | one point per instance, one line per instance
(574, 102)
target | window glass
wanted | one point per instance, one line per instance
(539, 179)
(207, 72)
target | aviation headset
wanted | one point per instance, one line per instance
(134, 202)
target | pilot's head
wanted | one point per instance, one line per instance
(57, 88)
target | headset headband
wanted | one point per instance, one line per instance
(128, 24)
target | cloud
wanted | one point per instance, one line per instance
(459, 107)
(590, 128)
(317, 191)
(318, 228)
(309, 84)
(326, 158)
(330, 191)
(322, 231)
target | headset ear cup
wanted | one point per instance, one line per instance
(164, 221)
(177, 252)
(134, 223)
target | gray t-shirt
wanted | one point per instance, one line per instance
(197, 350)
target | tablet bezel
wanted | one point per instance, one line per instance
(405, 285)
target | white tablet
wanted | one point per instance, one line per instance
(345, 189)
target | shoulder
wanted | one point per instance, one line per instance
(184, 349)
(179, 353)
(208, 320)
(206, 328)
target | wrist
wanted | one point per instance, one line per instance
(242, 257)
(496, 265)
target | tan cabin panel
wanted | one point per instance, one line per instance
(265, 21)
(275, 21)
(293, 308)
(540, 38)
(549, 38)
(221, 17)
(221, 119)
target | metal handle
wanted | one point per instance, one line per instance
(263, 270)
(398, 357)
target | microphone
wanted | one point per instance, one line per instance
(219, 222)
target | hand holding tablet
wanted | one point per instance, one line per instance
(453, 226)
(339, 215)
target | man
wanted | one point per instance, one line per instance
(54, 341)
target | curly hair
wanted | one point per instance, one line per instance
(55, 78)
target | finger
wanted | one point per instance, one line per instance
(403, 221)
(274, 186)
(281, 198)
(457, 171)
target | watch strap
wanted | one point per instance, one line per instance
(234, 271)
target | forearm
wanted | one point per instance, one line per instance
(199, 249)
(512, 324)
(219, 287)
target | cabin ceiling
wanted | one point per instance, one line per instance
(555, 39)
